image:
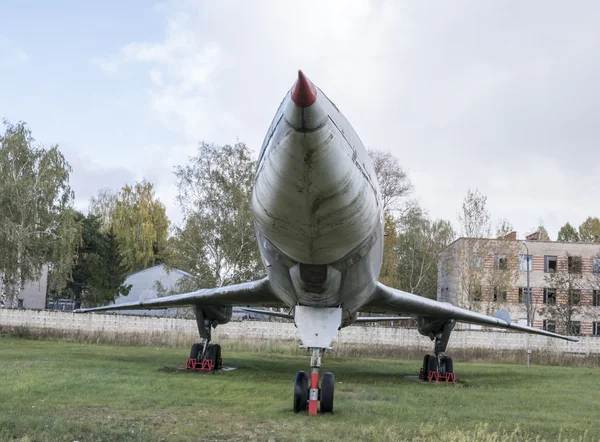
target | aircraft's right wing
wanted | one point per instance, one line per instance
(257, 293)
(393, 300)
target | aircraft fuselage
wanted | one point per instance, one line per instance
(317, 208)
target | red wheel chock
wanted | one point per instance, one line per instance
(436, 376)
(202, 364)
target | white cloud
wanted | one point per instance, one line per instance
(499, 97)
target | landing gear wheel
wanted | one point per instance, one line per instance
(426, 366)
(301, 392)
(327, 388)
(195, 351)
(433, 364)
(448, 365)
(217, 357)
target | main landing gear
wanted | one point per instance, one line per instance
(439, 367)
(307, 393)
(204, 356)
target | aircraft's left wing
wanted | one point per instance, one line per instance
(393, 300)
(257, 293)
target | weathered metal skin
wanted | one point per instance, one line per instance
(315, 195)
(317, 209)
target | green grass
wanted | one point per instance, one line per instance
(57, 390)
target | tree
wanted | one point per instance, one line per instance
(37, 223)
(543, 234)
(568, 233)
(394, 183)
(563, 293)
(217, 242)
(420, 243)
(141, 226)
(108, 272)
(98, 269)
(389, 266)
(589, 230)
(484, 268)
(474, 219)
(103, 205)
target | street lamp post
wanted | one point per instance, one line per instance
(528, 301)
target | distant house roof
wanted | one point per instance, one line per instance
(143, 286)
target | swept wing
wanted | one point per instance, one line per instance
(258, 293)
(388, 299)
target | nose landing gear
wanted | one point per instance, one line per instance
(308, 396)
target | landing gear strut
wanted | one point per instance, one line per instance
(307, 393)
(439, 367)
(204, 356)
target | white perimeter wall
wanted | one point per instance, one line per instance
(401, 337)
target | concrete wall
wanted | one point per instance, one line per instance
(499, 340)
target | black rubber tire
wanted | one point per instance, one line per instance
(216, 356)
(301, 392)
(433, 363)
(195, 351)
(426, 366)
(327, 390)
(449, 365)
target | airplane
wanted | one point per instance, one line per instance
(318, 220)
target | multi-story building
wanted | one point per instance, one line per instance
(562, 279)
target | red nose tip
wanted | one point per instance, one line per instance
(305, 92)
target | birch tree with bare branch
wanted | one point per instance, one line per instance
(216, 241)
(37, 222)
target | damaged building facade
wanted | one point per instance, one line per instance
(552, 285)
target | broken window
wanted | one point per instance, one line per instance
(477, 260)
(596, 266)
(550, 263)
(20, 303)
(523, 292)
(500, 295)
(550, 296)
(574, 264)
(549, 325)
(501, 262)
(575, 296)
(574, 329)
(596, 298)
(525, 263)
(596, 328)
(475, 293)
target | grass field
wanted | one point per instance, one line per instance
(56, 390)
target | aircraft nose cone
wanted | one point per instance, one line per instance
(304, 109)
(304, 93)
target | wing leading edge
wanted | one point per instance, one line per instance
(258, 293)
(394, 300)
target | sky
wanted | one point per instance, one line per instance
(499, 96)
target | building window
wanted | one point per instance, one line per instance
(525, 263)
(596, 298)
(501, 262)
(596, 265)
(550, 296)
(549, 264)
(549, 325)
(575, 296)
(475, 293)
(523, 291)
(575, 328)
(575, 264)
(596, 328)
(20, 303)
(500, 295)
(477, 260)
